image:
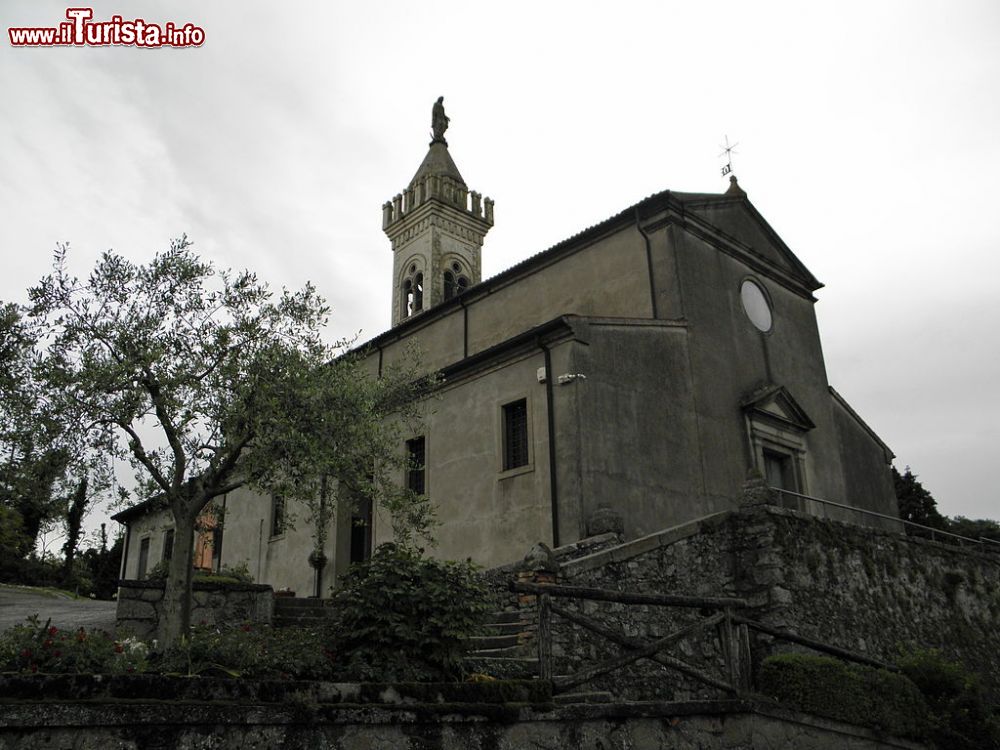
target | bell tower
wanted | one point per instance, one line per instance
(436, 227)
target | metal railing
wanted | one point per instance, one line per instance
(913, 529)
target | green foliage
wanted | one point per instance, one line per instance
(34, 647)
(251, 652)
(403, 617)
(960, 714)
(228, 574)
(974, 528)
(916, 504)
(824, 686)
(206, 381)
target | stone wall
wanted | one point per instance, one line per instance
(873, 592)
(148, 713)
(140, 604)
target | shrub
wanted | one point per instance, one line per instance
(227, 574)
(405, 617)
(251, 652)
(886, 701)
(960, 716)
(34, 647)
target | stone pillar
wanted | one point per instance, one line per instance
(488, 203)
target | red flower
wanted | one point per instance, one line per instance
(26, 654)
(53, 630)
(119, 648)
(57, 653)
(47, 643)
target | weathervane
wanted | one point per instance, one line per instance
(728, 152)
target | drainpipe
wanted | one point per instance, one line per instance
(465, 326)
(128, 538)
(553, 480)
(260, 548)
(649, 264)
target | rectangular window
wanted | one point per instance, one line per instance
(780, 471)
(277, 515)
(168, 544)
(416, 452)
(515, 434)
(143, 558)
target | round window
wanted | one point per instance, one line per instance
(756, 306)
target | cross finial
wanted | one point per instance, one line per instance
(728, 152)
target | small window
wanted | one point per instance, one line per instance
(515, 434)
(416, 451)
(407, 298)
(143, 558)
(418, 292)
(168, 544)
(277, 515)
(449, 285)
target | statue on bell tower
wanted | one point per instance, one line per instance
(439, 122)
(436, 227)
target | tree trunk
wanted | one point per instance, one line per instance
(175, 617)
(74, 526)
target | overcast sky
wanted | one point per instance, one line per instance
(868, 132)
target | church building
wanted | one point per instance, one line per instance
(630, 376)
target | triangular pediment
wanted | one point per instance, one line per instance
(737, 219)
(775, 403)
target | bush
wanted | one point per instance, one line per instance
(251, 652)
(405, 617)
(227, 574)
(34, 647)
(883, 700)
(960, 716)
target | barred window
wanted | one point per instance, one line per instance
(277, 515)
(416, 452)
(168, 544)
(515, 434)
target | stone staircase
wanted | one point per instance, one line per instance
(302, 613)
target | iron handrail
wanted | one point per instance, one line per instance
(933, 532)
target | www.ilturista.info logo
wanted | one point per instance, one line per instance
(81, 31)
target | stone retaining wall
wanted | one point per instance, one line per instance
(140, 604)
(866, 590)
(121, 713)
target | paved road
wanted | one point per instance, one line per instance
(17, 604)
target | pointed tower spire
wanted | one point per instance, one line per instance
(436, 227)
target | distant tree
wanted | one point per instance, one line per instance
(44, 457)
(236, 383)
(974, 528)
(916, 504)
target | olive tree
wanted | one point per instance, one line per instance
(206, 381)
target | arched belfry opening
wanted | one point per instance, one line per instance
(436, 227)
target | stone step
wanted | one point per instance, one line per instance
(284, 603)
(493, 642)
(595, 696)
(524, 668)
(504, 628)
(506, 616)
